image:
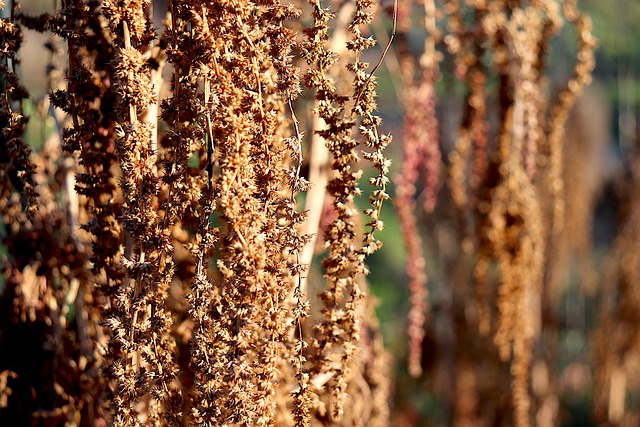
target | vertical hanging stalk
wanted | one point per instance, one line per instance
(87, 100)
(420, 151)
(17, 169)
(559, 111)
(338, 332)
(514, 215)
(142, 322)
(469, 176)
(501, 189)
(251, 175)
(319, 162)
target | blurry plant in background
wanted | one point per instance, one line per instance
(186, 242)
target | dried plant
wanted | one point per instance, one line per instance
(340, 327)
(420, 151)
(503, 192)
(159, 244)
(18, 170)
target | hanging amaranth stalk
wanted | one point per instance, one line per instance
(17, 170)
(420, 156)
(88, 102)
(141, 323)
(494, 187)
(338, 332)
(244, 201)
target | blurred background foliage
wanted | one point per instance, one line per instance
(607, 116)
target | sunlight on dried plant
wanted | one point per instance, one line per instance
(187, 242)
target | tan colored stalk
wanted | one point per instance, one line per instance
(319, 162)
(143, 325)
(247, 180)
(334, 349)
(559, 112)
